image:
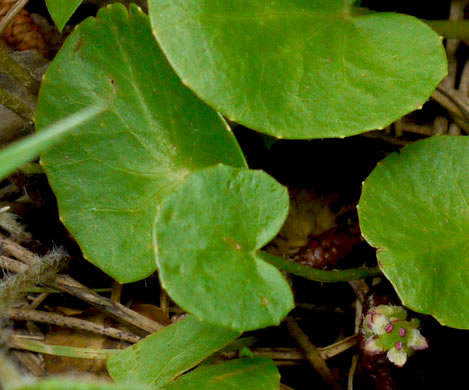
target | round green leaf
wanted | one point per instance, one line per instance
(74, 384)
(300, 68)
(208, 232)
(240, 374)
(415, 209)
(110, 174)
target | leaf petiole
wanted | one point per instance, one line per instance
(319, 275)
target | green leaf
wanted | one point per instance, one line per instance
(62, 10)
(415, 209)
(110, 174)
(300, 68)
(208, 233)
(242, 374)
(73, 384)
(161, 357)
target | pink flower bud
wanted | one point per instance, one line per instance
(399, 345)
(402, 332)
(389, 328)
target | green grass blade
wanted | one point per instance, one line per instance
(13, 156)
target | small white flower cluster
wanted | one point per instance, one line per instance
(386, 329)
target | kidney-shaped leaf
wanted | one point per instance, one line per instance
(74, 384)
(62, 10)
(415, 209)
(161, 357)
(241, 374)
(300, 68)
(110, 174)
(208, 232)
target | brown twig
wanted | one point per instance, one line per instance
(456, 13)
(139, 324)
(464, 80)
(311, 353)
(360, 289)
(38, 300)
(338, 347)
(415, 128)
(358, 320)
(70, 322)
(284, 354)
(455, 103)
(17, 251)
(12, 287)
(440, 125)
(9, 222)
(386, 138)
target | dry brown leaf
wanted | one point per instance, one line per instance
(152, 312)
(60, 365)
